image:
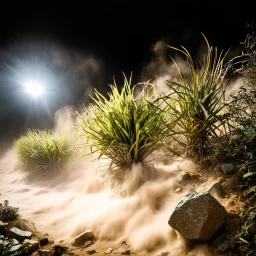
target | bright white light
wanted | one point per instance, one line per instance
(34, 88)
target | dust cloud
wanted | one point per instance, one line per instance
(82, 199)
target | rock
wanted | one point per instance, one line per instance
(109, 250)
(45, 253)
(19, 234)
(221, 249)
(198, 216)
(87, 243)
(59, 249)
(126, 252)
(84, 237)
(185, 179)
(216, 189)
(29, 246)
(3, 226)
(13, 245)
(227, 168)
(15, 248)
(91, 251)
(178, 190)
(164, 253)
(44, 241)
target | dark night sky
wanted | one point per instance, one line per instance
(118, 35)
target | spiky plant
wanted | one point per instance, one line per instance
(198, 100)
(44, 152)
(125, 128)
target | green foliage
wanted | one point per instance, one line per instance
(198, 101)
(247, 231)
(44, 151)
(125, 128)
(7, 212)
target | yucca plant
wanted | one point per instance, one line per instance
(198, 100)
(44, 152)
(125, 128)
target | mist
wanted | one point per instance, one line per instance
(81, 198)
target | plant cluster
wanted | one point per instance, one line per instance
(7, 212)
(246, 234)
(197, 101)
(126, 127)
(41, 152)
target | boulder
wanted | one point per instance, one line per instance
(19, 234)
(84, 237)
(198, 216)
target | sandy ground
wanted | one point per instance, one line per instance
(74, 202)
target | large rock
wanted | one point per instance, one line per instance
(198, 216)
(19, 234)
(84, 237)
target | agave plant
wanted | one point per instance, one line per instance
(198, 100)
(44, 151)
(125, 128)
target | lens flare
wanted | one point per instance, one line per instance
(33, 88)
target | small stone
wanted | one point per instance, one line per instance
(19, 234)
(91, 251)
(87, 243)
(127, 252)
(15, 248)
(216, 189)
(109, 250)
(83, 237)
(29, 246)
(45, 253)
(44, 241)
(165, 253)
(60, 249)
(227, 168)
(178, 190)
(185, 179)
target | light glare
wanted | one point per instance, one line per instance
(34, 88)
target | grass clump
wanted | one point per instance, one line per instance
(44, 152)
(125, 128)
(198, 101)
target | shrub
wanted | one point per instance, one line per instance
(198, 101)
(44, 151)
(125, 128)
(7, 212)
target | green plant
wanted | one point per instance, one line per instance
(44, 151)
(7, 212)
(246, 233)
(125, 128)
(199, 101)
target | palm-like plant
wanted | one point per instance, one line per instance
(198, 100)
(125, 128)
